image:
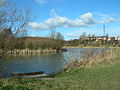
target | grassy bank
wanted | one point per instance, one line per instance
(88, 46)
(99, 73)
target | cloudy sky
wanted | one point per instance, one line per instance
(72, 17)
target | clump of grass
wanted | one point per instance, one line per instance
(92, 59)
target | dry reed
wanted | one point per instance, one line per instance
(93, 58)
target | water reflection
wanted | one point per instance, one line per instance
(48, 63)
(35, 63)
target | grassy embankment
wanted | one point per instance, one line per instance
(101, 72)
(90, 46)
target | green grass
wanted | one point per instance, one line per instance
(102, 76)
(93, 46)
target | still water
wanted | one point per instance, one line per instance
(48, 63)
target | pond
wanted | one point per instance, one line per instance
(48, 63)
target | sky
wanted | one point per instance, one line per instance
(72, 17)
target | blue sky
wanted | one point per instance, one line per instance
(72, 17)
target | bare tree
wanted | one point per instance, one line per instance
(55, 35)
(59, 36)
(58, 39)
(14, 19)
(52, 34)
(83, 35)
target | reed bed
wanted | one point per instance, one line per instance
(92, 59)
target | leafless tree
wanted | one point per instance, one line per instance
(52, 34)
(58, 39)
(15, 20)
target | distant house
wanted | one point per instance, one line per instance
(96, 38)
(99, 38)
(117, 38)
(89, 38)
(109, 39)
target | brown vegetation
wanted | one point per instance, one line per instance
(42, 43)
(92, 59)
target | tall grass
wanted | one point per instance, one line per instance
(93, 58)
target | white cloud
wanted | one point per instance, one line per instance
(41, 1)
(33, 35)
(104, 18)
(108, 20)
(73, 35)
(88, 18)
(85, 20)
